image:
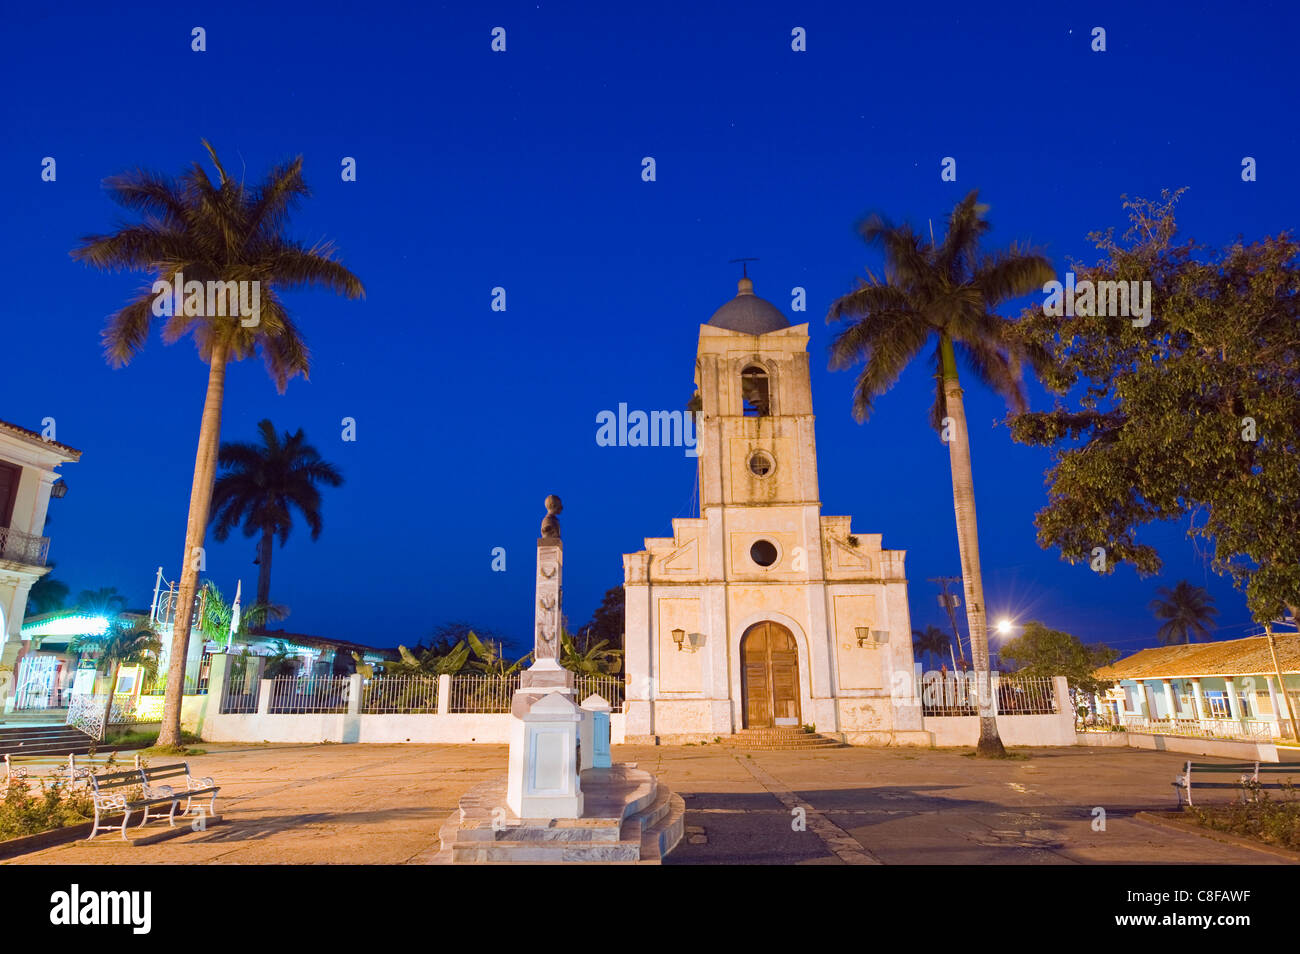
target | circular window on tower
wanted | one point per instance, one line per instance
(761, 463)
(763, 552)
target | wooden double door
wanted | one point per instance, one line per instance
(770, 674)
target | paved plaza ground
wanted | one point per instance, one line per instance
(382, 804)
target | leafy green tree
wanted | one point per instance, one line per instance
(46, 595)
(126, 643)
(262, 485)
(606, 623)
(210, 230)
(1188, 612)
(1190, 417)
(1040, 651)
(941, 297)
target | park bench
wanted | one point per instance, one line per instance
(125, 792)
(1247, 775)
(116, 791)
(194, 787)
(22, 767)
(69, 768)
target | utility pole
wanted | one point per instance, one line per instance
(1290, 703)
(950, 602)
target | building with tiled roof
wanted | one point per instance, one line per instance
(1235, 687)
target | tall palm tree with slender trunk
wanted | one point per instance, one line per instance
(940, 296)
(1188, 612)
(211, 231)
(262, 485)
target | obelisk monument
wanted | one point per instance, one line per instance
(546, 674)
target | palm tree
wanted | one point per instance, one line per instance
(211, 231)
(941, 296)
(262, 485)
(133, 643)
(1187, 612)
(932, 641)
(217, 615)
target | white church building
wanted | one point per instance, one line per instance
(763, 613)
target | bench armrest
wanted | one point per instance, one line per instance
(206, 782)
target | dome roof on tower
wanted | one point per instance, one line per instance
(749, 314)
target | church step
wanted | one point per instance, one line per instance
(780, 740)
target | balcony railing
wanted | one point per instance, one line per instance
(23, 548)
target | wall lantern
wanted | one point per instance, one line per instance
(59, 489)
(679, 636)
(867, 636)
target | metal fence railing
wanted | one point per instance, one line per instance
(240, 692)
(1204, 728)
(482, 693)
(958, 694)
(400, 694)
(295, 694)
(609, 688)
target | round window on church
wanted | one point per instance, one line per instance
(763, 552)
(761, 463)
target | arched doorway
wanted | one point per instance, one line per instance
(770, 676)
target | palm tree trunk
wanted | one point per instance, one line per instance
(264, 569)
(205, 467)
(963, 498)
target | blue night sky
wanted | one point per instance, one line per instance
(477, 169)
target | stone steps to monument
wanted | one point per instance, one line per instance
(639, 824)
(660, 836)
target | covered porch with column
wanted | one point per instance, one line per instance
(1235, 689)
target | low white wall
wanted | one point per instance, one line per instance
(1054, 729)
(1013, 730)
(1189, 745)
(449, 728)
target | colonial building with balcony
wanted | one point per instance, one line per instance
(28, 465)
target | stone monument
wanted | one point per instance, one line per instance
(546, 674)
(543, 780)
(556, 748)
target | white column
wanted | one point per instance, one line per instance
(355, 687)
(264, 696)
(444, 694)
(1169, 699)
(1201, 711)
(1234, 704)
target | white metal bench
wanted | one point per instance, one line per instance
(195, 787)
(114, 792)
(1248, 774)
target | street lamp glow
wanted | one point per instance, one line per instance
(1004, 627)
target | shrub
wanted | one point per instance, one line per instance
(1258, 816)
(29, 809)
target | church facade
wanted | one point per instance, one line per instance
(762, 612)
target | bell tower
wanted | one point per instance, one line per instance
(756, 425)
